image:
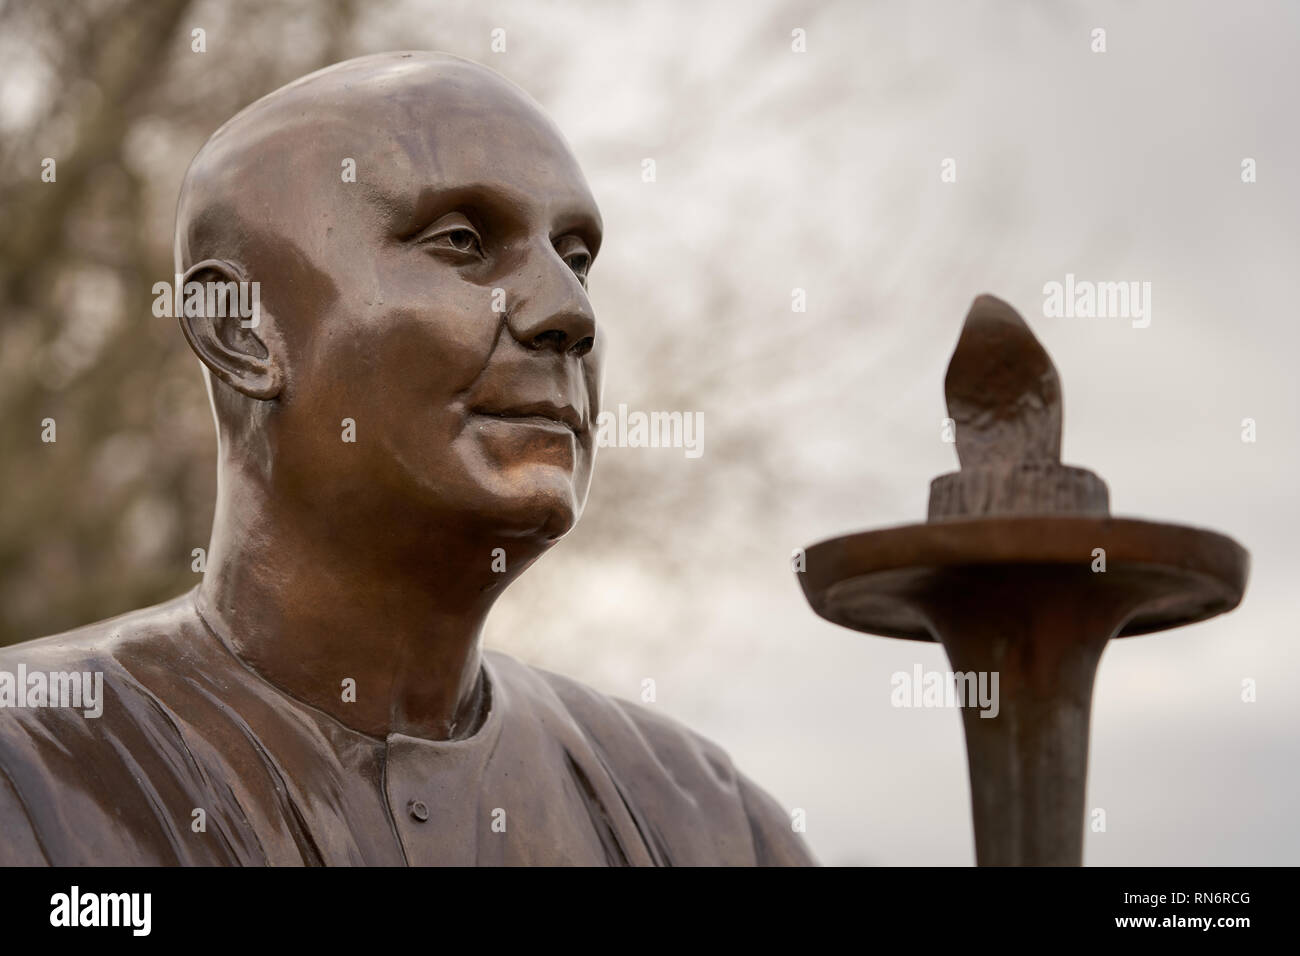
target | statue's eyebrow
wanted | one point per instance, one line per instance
(413, 212)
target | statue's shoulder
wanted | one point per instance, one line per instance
(661, 756)
(608, 718)
(73, 706)
(106, 646)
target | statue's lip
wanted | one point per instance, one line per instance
(536, 413)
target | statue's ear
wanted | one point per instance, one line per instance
(221, 315)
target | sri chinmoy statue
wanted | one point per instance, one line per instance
(369, 563)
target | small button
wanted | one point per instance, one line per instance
(418, 810)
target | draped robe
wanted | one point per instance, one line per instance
(556, 774)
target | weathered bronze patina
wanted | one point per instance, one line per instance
(1007, 575)
(405, 429)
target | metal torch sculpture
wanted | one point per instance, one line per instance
(1021, 570)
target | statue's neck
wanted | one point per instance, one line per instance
(385, 639)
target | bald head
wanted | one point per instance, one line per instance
(284, 153)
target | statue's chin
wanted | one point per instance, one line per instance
(545, 515)
(539, 502)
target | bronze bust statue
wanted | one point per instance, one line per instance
(406, 426)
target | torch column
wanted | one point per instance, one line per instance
(1021, 571)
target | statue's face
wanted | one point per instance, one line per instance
(466, 202)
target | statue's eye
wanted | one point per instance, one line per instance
(576, 256)
(453, 233)
(579, 262)
(459, 239)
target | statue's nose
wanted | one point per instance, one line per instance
(551, 309)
